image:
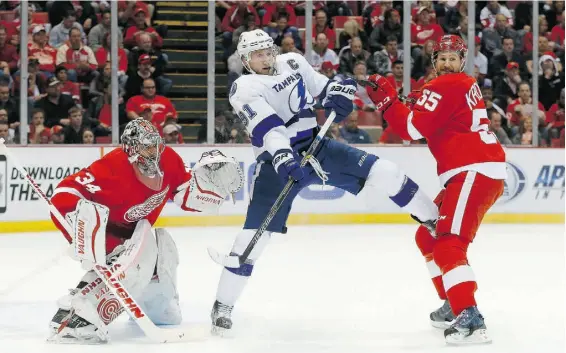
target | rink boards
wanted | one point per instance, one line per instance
(534, 190)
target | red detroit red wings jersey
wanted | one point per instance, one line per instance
(111, 181)
(451, 115)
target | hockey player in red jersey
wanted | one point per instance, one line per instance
(114, 202)
(450, 113)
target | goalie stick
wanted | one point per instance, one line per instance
(103, 271)
(234, 261)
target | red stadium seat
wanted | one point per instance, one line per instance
(7, 16)
(40, 17)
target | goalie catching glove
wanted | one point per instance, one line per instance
(214, 177)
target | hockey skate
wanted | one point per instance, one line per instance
(442, 317)
(67, 327)
(221, 316)
(468, 328)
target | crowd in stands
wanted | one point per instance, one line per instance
(360, 38)
(70, 73)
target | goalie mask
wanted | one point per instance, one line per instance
(143, 145)
(257, 52)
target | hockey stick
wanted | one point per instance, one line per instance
(104, 272)
(234, 261)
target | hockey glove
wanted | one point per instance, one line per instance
(384, 95)
(287, 166)
(339, 96)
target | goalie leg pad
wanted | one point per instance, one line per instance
(88, 222)
(93, 302)
(160, 299)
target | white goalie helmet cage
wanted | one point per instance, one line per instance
(252, 41)
(143, 145)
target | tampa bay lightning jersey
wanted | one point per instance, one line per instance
(276, 109)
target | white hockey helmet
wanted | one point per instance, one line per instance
(251, 41)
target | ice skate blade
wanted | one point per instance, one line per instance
(441, 324)
(56, 339)
(221, 332)
(460, 339)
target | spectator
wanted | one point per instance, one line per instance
(428, 74)
(74, 130)
(551, 81)
(321, 53)
(79, 59)
(387, 56)
(171, 133)
(5, 133)
(495, 126)
(490, 105)
(222, 128)
(423, 30)
(362, 100)
(274, 9)
(423, 61)
(97, 35)
(158, 59)
(524, 135)
(61, 33)
(552, 11)
(492, 38)
(68, 87)
(544, 49)
(453, 17)
(396, 77)
(100, 109)
(10, 132)
(249, 24)
(288, 46)
(102, 56)
(352, 133)
(55, 105)
(88, 137)
(8, 54)
(283, 29)
(350, 55)
(160, 106)
(9, 104)
(351, 30)
(390, 27)
(145, 71)
(489, 13)
(42, 51)
(103, 78)
(500, 61)
(37, 83)
(522, 107)
(234, 18)
(462, 29)
(37, 126)
(480, 61)
(374, 14)
(140, 27)
(555, 120)
(423, 3)
(128, 9)
(557, 33)
(321, 26)
(506, 88)
(328, 70)
(57, 135)
(335, 134)
(543, 31)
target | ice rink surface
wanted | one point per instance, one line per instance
(332, 289)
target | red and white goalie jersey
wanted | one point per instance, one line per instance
(113, 182)
(450, 113)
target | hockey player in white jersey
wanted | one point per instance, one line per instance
(275, 103)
